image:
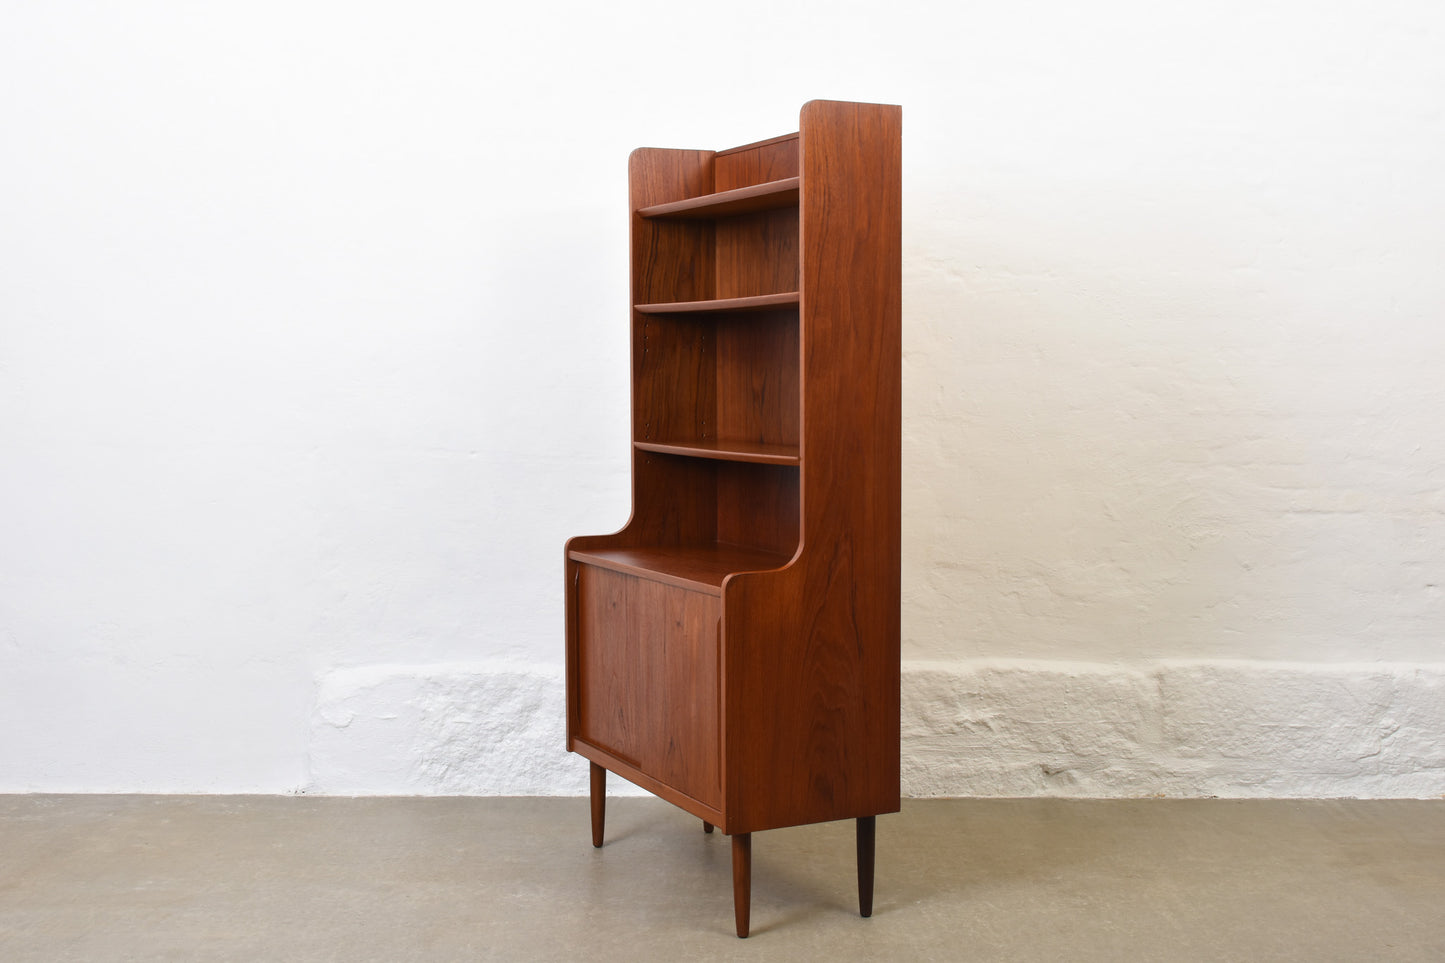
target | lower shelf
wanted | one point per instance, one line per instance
(701, 568)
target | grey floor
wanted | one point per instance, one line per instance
(251, 878)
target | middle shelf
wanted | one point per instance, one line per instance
(727, 451)
(756, 302)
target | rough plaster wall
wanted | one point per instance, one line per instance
(1175, 728)
(495, 729)
(313, 352)
(977, 728)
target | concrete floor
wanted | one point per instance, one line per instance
(252, 878)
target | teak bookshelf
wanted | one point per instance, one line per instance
(734, 649)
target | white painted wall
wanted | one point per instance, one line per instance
(312, 353)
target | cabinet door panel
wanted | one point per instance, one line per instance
(690, 756)
(612, 665)
(648, 678)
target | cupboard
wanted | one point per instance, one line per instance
(734, 649)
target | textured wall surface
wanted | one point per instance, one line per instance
(313, 352)
(491, 729)
(1175, 728)
(986, 728)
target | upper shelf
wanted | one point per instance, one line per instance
(772, 196)
(758, 302)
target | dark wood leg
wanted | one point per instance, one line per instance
(706, 826)
(866, 827)
(742, 880)
(599, 802)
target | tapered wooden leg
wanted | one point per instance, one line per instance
(706, 826)
(866, 827)
(599, 802)
(742, 880)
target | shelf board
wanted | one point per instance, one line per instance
(727, 451)
(772, 196)
(700, 568)
(759, 302)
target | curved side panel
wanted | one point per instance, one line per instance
(811, 653)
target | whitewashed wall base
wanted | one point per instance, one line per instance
(987, 728)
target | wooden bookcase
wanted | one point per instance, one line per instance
(734, 649)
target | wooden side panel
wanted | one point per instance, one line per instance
(672, 359)
(769, 160)
(671, 260)
(666, 264)
(812, 653)
(648, 678)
